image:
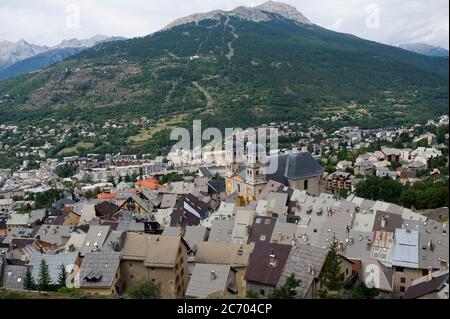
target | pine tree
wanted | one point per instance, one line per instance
(288, 290)
(28, 283)
(331, 276)
(43, 280)
(62, 277)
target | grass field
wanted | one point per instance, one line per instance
(72, 149)
(146, 134)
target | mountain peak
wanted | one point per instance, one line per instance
(425, 49)
(284, 10)
(259, 13)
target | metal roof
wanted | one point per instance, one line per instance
(406, 249)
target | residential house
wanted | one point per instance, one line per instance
(12, 276)
(100, 274)
(374, 273)
(339, 180)
(284, 233)
(189, 211)
(95, 239)
(17, 220)
(221, 230)
(261, 229)
(344, 165)
(207, 279)
(57, 235)
(392, 155)
(242, 225)
(265, 268)
(405, 259)
(195, 234)
(158, 258)
(236, 255)
(306, 263)
(432, 286)
(364, 168)
(6, 204)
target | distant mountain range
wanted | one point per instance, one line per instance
(425, 49)
(22, 57)
(238, 68)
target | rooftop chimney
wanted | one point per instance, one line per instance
(272, 259)
(430, 275)
(341, 247)
(431, 245)
(383, 221)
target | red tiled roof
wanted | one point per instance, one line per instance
(150, 183)
(106, 195)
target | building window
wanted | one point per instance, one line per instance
(262, 292)
(403, 280)
(402, 289)
(346, 271)
(305, 185)
(399, 269)
(424, 272)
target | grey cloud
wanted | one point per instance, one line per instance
(44, 21)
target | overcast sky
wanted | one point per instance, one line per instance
(387, 21)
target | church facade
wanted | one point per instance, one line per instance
(246, 174)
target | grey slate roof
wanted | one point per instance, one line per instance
(95, 238)
(168, 200)
(54, 263)
(55, 234)
(13, 276)
(202, 284)
(128, 223)
(205, 172)
(221, 230)
(284, 233)
(306, 263)
(301, 165)
(358, 248)
(435, 233)
(294, 166)
(37, 215)
(194, 235)
(392, 221)
(171, 231)
(98, 269)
